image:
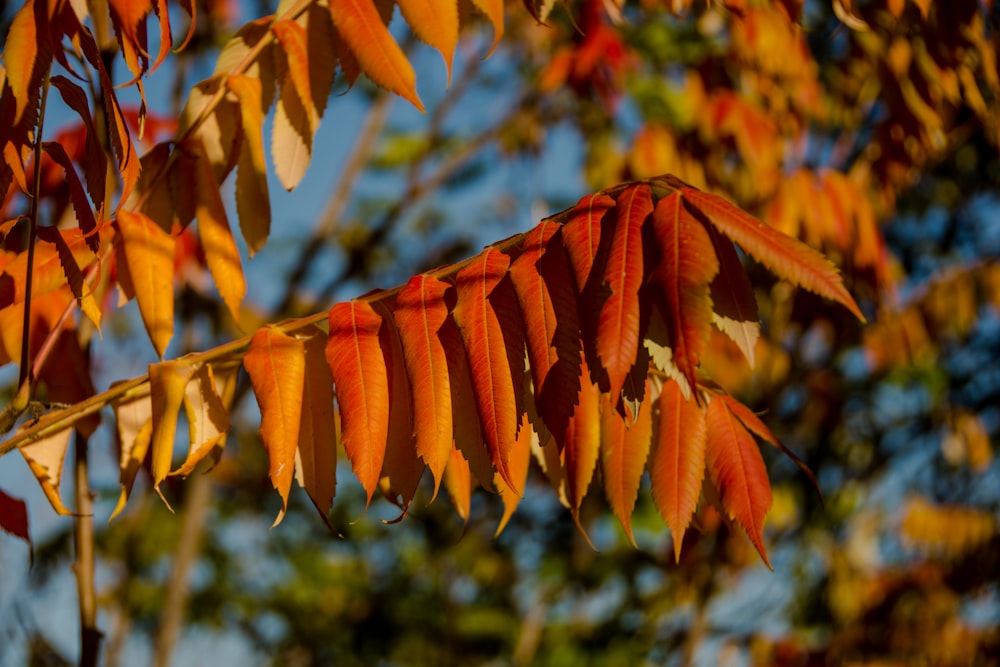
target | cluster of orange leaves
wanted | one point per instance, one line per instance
(610, 302)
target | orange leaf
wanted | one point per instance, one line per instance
(543, 282)
(167, 387)
(129, 19)
(458, 482)
(316, 454)
(618, 323)
(436, 23)
(420, 313)
(677, 463)
(520, 456)
(624, 447)
(276, 363)
(14, 518)
(74, 276)
(361, 27)
(292, 38)
(149, 254)
(737, 470)
(489, 365)
(401, 468)
(784, 256)
(253, 203)
(494, 12)
(466, 426)
(734, 305)
(166, 38)
(581, 443)
(582, 234)
(221, 254)
(45, 459)
(357, 365)
(19, 57)
(687, 267)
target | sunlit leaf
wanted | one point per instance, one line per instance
(436, 23)
(275, 363)
(149, 253)
(134, 419)
(625, 445)
(167, 387)
(45, 459)
(253, 203)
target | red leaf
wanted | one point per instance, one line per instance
(401, 469)
(14, 517)
(618, 323)
(419, 314)
(357, 365)
(786, 257)
(624, 447)
(542, 280)
(580, 443)
(520, 456)
(677, 463)
(582, 234)
(733, 303)
(486, 349)
(737, 470)
(687, 267)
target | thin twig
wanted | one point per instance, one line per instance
(83, 539)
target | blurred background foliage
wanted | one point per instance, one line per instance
(867, 128)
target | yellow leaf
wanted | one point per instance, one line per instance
(19, 57)
(276, 365)
(167, 387)
(361, 27)
(221, 254)
(135, 430)
(237, 53)
(436, 23)
(253, 204)
(149, 255)
(208, 419)
(292, 136)
(45, 458)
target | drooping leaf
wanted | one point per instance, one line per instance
(402, 468)
(74, 276)
(167, 386)
(520, 456)
(322, 54)
(45, 459)
(134, 418)
(292, 130)
(316, 454)
(494, 12)
(22, 59)
(129, 19)
(96, 165)
(734, 308)
(81, 207)
(677, 461)
(14, 518)
(292, 38)
(436, 23)
(582, 234)
(489, 365)
(760, 429)
(361, 27)
(275, 363)
(236, 54)
(686, 268)
(149, 254)
(581, 443)
(618, 324)
(253, 203)
(221, 254)
(207, 417)
(625, 445)
(357, 364)
(420, 313)
(784, 256)
(737, 470)
(543, 282)
(458, 482)
(466, 425)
